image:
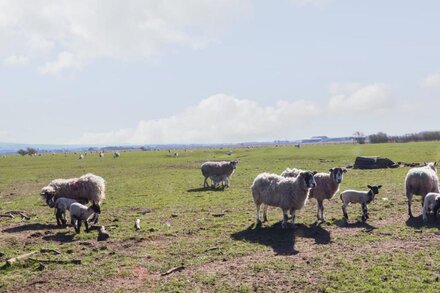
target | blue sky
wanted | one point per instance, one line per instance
(147, 72)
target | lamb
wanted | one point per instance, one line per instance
(285, 193)
(327, 184)
(421, 181)
(86, 188)
(116, 155)
(61, 205)
(431, 204)
(224, 168)
(219, 179)
(362, 197)
(80, 213)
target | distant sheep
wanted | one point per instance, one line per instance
(362, 197)
(291, 172)
(80, 213)
(81, 157)
(283, 192)
(224, 168)
(327, 184)
(101, 155)
(62, 204)
(86, 188)
(116, 155)
(431, 204)
(421, 181)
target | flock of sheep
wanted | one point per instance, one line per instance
(288, 191)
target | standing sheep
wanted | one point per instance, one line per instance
(431, 204)
(224, 168)
(116, 155)
(362, 197)
(86, 188)
(421, 181)
(285, 193)
(80, 213)
(327, 184)
(61, 205)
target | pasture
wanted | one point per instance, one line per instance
(212, 234)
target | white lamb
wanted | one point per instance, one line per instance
(285, 193)
(421, 181)
(80, 213)
(362, 197)
(61, 205)
(216, 180)
(431, 204)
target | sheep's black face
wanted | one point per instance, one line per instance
(48, 193)
(374, 188)
(337, 174)
(234, 164)
(309, 179)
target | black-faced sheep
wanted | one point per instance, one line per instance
(327, 184)
(224, 168)
(116, 155)
(62, 204)
(431, 204)
(362, 197)
(285, 193)
(80, 213)
(421, 181)
(86, 188)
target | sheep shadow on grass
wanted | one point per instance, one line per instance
(61, 237)
(358, 224)
(31, 227)
(418, 223)
(281, 240)
(204, 189)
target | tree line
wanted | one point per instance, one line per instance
(382, 137)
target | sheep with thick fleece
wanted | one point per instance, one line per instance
(362, 197)
(327, 184)
(431, 204)
(86, 188)
(285, 193)
(291, 172)
(62, 204)
(116, 155)
(224, 168)
(80, 213)
(421, 181)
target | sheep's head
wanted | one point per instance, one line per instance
(337, 174)
(436, 207)
(233, 164)
(432, 165)
(309, 178)
(374, 188)
(48, 194)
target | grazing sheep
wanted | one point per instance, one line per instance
(362, 197)
(224, 168)
(431, 204)
(421, 181)
(327, 184)
(176, 155)
(285, 193)
(81, 157)
(116, 155)
(101, 155)
(80, 213)
(61, 205)
(86, 188)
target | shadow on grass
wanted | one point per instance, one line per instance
(204, 189)
(417, 222)
(61, 237)
(281, 240)
(31, 227)
(358, 224)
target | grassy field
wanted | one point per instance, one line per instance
(181, 226)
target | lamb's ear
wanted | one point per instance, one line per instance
(315, 172)
(379, 186)
(435, 163)
(331, 170)
(369, 186)
(344, 170)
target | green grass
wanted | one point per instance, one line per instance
(223, 254)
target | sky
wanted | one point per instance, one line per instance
(109, 72)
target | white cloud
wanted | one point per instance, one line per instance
(4, 135)
(360, 99)
(216, 119)
(67, 34)
(432, 80)
(316, 3)
(14, 60)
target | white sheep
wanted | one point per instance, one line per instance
(61, 205)
(362, 197)
(421, 181)
(285, 193)
(86, 188)
(80, 213)
(224, 168)
(431, 204)
(101, 155)
(116, 155)
(81, 157)
(219, 179)
(327, 184)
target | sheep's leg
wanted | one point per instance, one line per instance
(58, 217)
(285, 218)
(364, 212)
(258, 205)
(63, 219)
(265, 213)
(86, 223)
(205, 182)
(409, 196)
(292, 213)
(320, 214)
(77, 225)
(344, 211)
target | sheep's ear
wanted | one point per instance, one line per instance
(315, 172)
(435, 163)
(344, 170)
(331, 170)
(379, 186)
(369, 186)
(43, 193)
